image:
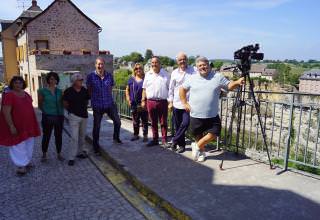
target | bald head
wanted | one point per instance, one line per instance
(182, 60)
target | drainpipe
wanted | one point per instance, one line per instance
(29, 74)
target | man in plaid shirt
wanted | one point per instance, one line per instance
(99, 84)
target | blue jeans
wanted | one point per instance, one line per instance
(181, 120)
(112, 113)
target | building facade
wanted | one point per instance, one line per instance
(60, 38)
(310, 82)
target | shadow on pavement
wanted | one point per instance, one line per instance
(191, 186)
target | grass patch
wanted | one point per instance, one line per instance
(297, 166)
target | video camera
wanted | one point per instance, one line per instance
(244, 57)
(248, 52)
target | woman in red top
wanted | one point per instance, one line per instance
(18, 124)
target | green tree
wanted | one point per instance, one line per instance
(148, 55)
(166, 61)
(133, 57)
(192, 60)
(217, 64)
(121, 77)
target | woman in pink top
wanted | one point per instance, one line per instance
(18, 124)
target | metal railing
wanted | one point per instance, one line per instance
(291, 122)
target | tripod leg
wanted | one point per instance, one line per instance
(257, 107)
(241, 101)
(229, 134)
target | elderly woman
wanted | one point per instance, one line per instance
(18, 124)
(75, 100)
(50, 103)
(134, 96)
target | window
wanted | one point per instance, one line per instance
(41, 44)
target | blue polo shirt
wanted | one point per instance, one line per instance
(204, 94)
(101, 97)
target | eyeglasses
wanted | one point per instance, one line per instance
(137, 69)
(79, 79)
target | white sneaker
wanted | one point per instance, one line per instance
(195, 151)
(202, 157)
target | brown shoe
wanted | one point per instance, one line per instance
(21, 171)
(29, 166)
(59, 157)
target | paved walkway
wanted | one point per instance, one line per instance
(57, 191)
(245, 190)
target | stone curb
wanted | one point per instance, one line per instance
(148, 193)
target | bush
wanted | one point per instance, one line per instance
(1, 86)
(121, 77)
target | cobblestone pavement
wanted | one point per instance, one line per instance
(55, 190)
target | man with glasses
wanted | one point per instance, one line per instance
(180, 115)
(75, 100)
(99, 84)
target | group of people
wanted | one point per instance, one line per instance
(190, 93)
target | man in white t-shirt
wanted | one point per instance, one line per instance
(180, 115)
(154, 96)
(203, 105)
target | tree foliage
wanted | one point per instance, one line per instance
(133, 57)
(217, 64)
(284, 74)
(148, 55)
(121, 77)
(166, 61)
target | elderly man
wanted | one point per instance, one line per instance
(203, 105)
(180, 115)
(75, 100)
(155, 91)
(99, 84)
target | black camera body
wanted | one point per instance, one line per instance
(248, 52)
(245, 55)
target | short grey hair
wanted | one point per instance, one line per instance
(75, 77)
(181, 54)
(101, 59)
(202, 59)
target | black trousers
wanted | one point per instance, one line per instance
(138, 116)
(112, 113)
(49, 123)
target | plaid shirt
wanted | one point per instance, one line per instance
(101, 96)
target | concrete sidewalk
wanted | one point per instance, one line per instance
(245, 190)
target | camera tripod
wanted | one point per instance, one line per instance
(238, 105)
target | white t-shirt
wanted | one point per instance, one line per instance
(156, 84)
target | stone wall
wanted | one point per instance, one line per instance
(83, 63)
(309, 86)
(65, 28)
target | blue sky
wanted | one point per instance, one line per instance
(285, 29)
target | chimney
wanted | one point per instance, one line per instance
(34, 3)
